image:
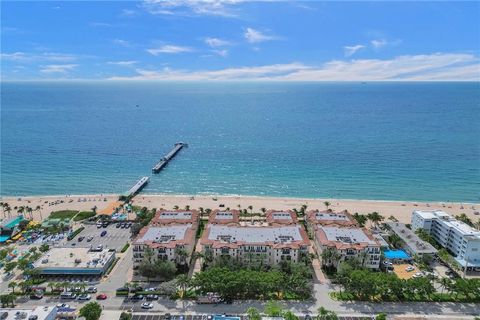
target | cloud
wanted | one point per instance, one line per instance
(123, 63)
(222, 53)
(216, 42)
(380, 43)
(168, 49)
(351, 50)
(224, 8)
(120, 42)
(23, 57)
(57, 68)
(100, 24)
(255, 36)
(436, 66)
(128, 13)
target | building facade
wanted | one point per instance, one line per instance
(268, 244)
(348, 243)
(456, 236)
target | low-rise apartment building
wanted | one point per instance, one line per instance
(275, 217)
(165, 243)
(411, 242)
(456, 236)
(316, 218)
(224, 217)
(270, 244)
(173, 217)
(348, 243)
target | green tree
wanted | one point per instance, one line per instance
(44, 248)
(9, 266)
(91, 311)
(375, 218)
(327, 204)
(360, 218)
(381, 316)
(12, 285)
(289, 315)
(250, 208)
(7, 300)
(324, 314)
(273, 309)
(183, 283)
(125, 316)
(253, 314)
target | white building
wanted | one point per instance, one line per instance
(37, 313)
(165, 242)
(348, 243)
(272, 244)
(461, 239)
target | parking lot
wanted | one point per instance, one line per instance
(114, 239)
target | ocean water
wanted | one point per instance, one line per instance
(385, 141)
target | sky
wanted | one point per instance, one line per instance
(240, 40)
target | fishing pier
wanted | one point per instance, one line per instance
(169, 156)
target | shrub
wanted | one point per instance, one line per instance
(84, 215)
(75, 233)
(125, 247)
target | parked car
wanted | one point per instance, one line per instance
(137, 297)
(63, 305)
(104, 232)
(118, 225)
(92, 290)
(89, 238)
(102, 296)
(68, 295)
(409, 268)
(147, 305)
(152, 297)
(80, 239)
(84, 297)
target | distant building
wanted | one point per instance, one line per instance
(165, 243)
(171, 217)
(316, 218)
(458, 237)
(349, 243)
(74, 261)
(37, 313)
(413, 244)
(286, 217)
(271, 244)
(224, 217)
(9, 227)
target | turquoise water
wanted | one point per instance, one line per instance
(404, 141)
(396, 254)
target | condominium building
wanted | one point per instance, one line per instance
(348, 243)
(275, 217)
(224, 217)
(328, 217)
(165, 243)
(456, 236)
(165, 217)
(411, 242)
(270, 244)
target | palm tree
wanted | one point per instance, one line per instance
(392, 218)
(175, 207)
(330, 257)
(52, 286)
(183, 283)
(263, 210)
(30, 212)
(12, 285)
(181, 256)
(201, 210)
(250, 208)
(8, 209)
(327, 204)
(446, 283)
(38, 209)
(375, 218)
(187, 207)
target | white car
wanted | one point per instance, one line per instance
(63, 305)
(418, 275)
(409, 268)
(147, 305)
(84, 297)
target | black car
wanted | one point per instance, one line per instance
(137, 297)
(151, 297)
(117, 225)
(80, 239)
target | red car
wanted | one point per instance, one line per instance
(102, 296)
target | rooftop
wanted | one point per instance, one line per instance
(329, 217)
(449, 221)
(224, 217)
(41, 312)
(178, 216)
(344, 238)
(417, 245)
(281, 217)
(166, 236)
(255, 235)
(73, 258)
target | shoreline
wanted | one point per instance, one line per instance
(401, 210)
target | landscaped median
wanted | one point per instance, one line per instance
(75, 233)
(125, 247)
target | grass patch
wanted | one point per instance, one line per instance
(111, 266)
(75, 233)
(201, 227)
(125, 247)
(84, 215)
(63, 214)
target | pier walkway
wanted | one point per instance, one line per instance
(169, 156)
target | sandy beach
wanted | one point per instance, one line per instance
(400, 209)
